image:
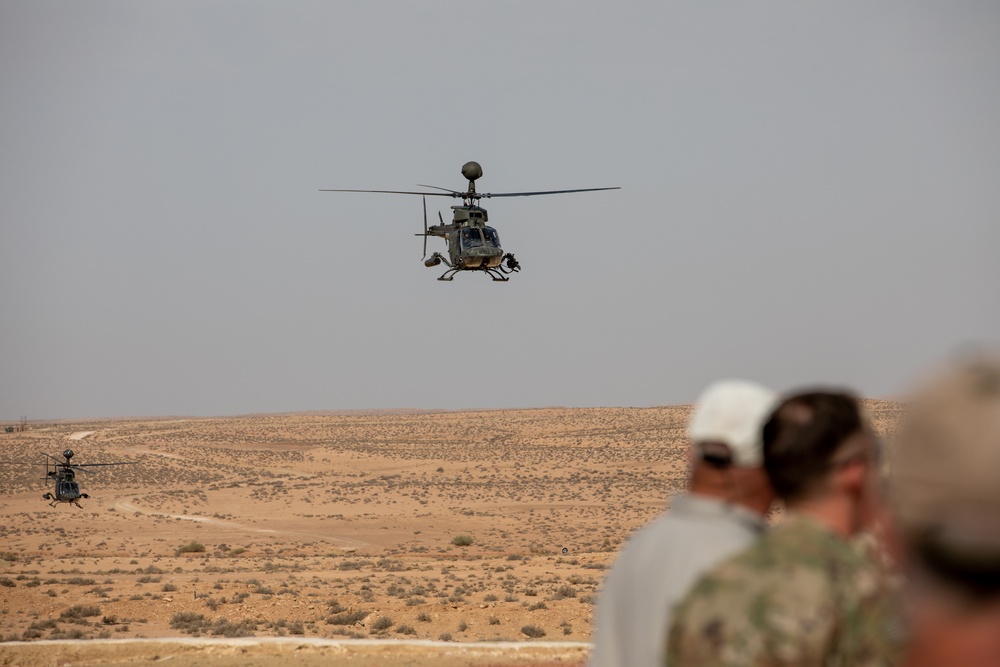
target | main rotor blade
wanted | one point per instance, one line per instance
(91, 465)
(488, 195)
(454, 193)
(425, 228)
(80, 469)
(403, 192)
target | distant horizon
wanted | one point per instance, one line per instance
(374, 411)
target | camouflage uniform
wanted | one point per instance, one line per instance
(800, 596)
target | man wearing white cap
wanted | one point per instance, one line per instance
(722, 514)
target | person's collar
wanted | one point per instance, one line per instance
(710, 506)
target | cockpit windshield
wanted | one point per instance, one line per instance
(491, 236)
(471, 238)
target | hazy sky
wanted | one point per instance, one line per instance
(809, 195)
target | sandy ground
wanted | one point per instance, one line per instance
(452, 529)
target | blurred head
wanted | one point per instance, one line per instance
(817, 445)
(725, 432)
(945, 481)
(726, 424)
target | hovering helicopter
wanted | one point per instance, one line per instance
(472, 244)
(67, 490)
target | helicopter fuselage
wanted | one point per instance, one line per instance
(472, 244)
(67, 489)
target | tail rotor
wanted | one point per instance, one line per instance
(425, 228)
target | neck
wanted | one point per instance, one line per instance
(836, 512)
(732, 486)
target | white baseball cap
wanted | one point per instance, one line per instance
(733, 412)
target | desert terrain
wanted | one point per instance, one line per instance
(463, 538)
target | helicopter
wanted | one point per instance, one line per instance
(67, 490)
(472, 244)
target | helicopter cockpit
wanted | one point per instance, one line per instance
(475, 237)
(68, 489)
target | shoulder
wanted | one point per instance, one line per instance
(783, 598)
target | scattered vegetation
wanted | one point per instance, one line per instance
(191, 547)
(533, 631)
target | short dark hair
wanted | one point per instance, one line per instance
(801, 437)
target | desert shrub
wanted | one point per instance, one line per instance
(34, 630)
(405, 630)
(225, 628)
(191, 547)
(494, 620)
(537, 606)
(168, 588)
(80, 581)
(382, 623)
(462, 540)
(187, 621)
(490, 598)
(75, 633)
(346, 617)
(7, 582)
(564, 591)
(533, 631)
(79, 611)
(424, 617)
(413, 602)
(350, 565)
(445, 636)
(463, 626)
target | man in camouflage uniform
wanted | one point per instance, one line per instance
(802, 595)
(945, 485)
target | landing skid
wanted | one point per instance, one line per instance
(498, 273)
(497, 277)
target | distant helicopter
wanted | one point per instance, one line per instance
(67, 490)
(472, 245)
